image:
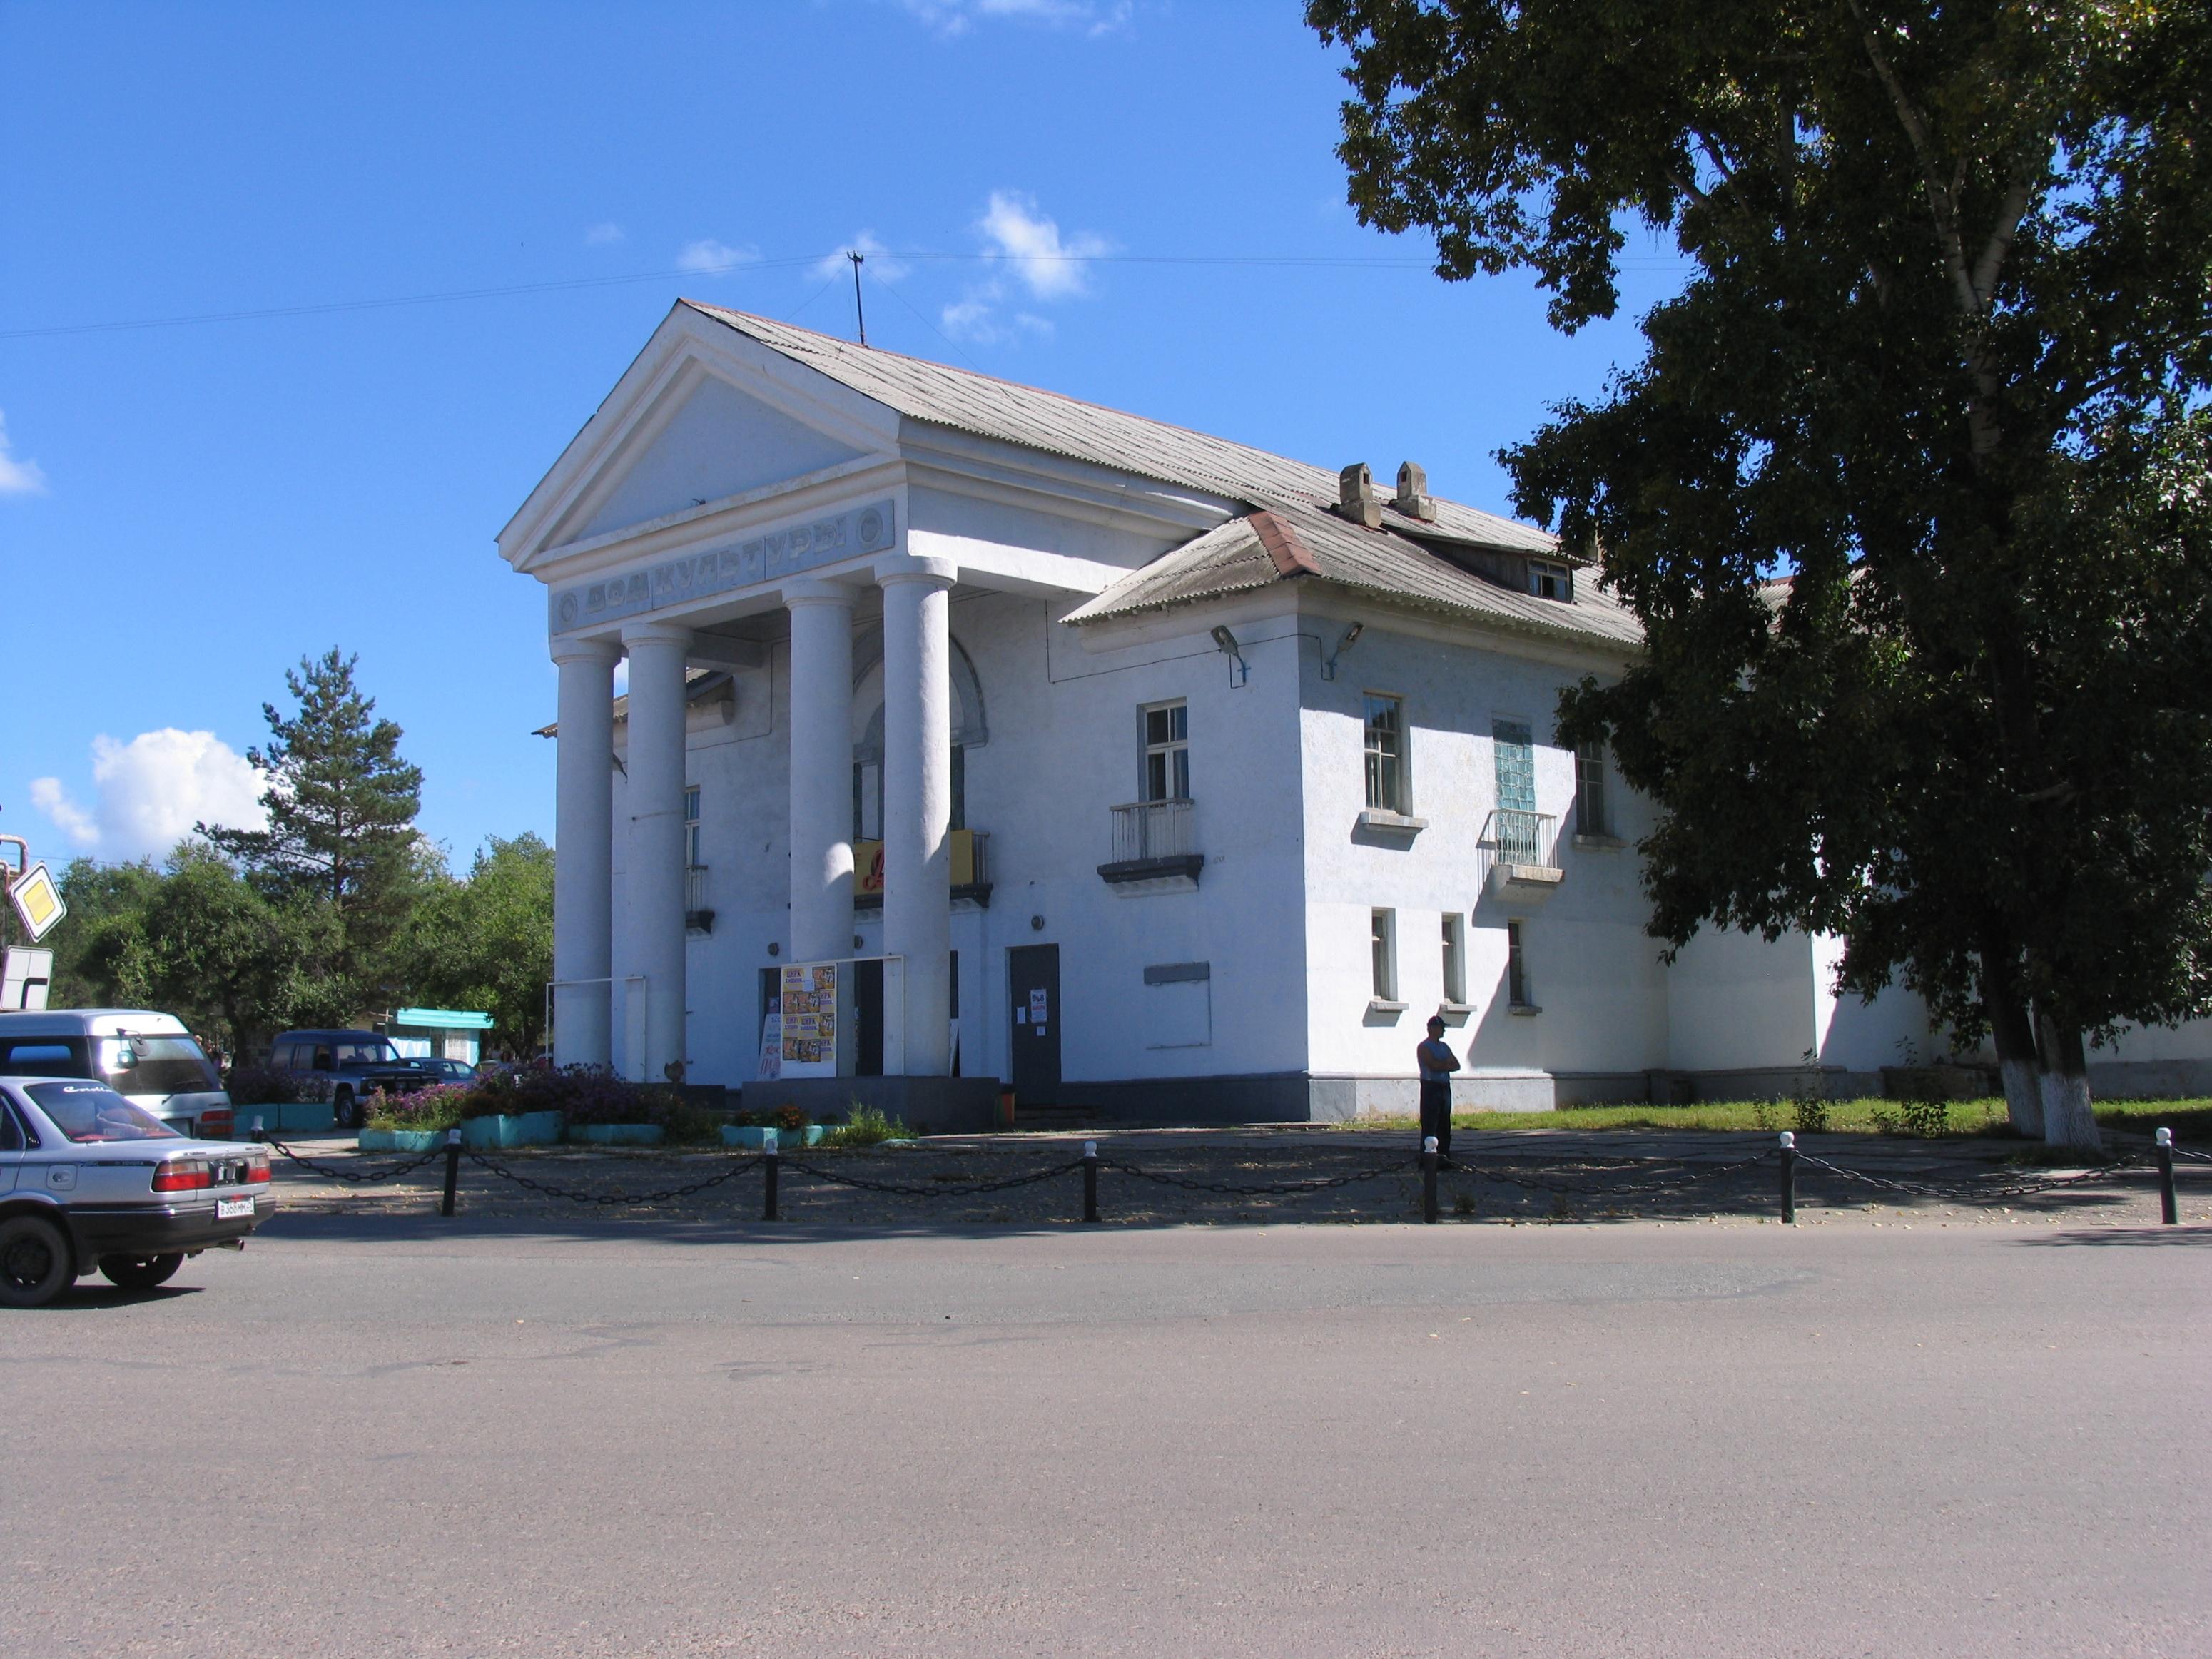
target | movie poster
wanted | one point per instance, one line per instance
(810, 1014)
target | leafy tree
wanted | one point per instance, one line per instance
(99, 949)
(486, 943)
(341, 837)
(1909, 491)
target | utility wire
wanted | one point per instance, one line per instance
(331, 307)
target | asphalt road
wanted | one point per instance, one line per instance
(386, 1436)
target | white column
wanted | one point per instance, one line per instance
(583, 852)
(821, 770)
(917, 800)
(653, 898)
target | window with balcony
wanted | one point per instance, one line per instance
(1385, 742)
(1167, 753)
(691, 828)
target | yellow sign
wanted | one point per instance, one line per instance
(37, 901)
(868, 862)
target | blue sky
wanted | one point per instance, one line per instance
(186, 510)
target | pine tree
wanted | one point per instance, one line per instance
(340, 846)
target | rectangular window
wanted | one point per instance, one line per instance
(1590, 817)
(691, 854)
(959, 818)
(1167, 752)
(867, 801)
(1548, 580)
(1382, 932)
(1178, 1004)
(1455, 959)
(1386, 754)
(1515, 752)
(1518, 993)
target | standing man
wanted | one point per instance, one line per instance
(1437, 1063)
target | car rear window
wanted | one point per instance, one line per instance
(155, 1066)
(44, 1056)
(92, 1112)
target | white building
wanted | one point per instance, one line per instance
(1185, 782)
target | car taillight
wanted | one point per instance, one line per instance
(182, 1175)
(216, 1124)
(257, 1168)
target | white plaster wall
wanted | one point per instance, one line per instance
(1734, 1002)
(1594, 975)
(1865, 1037)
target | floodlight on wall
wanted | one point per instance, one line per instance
(1227, 642)
(1329, 668)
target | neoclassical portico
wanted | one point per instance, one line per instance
(620, 978)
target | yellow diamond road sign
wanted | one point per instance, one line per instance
(37, 901)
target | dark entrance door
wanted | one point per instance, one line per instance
(868, 1016)
(1033, 980)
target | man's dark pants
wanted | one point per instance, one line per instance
(1435, 1113)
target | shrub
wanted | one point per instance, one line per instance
(787, 1119)
(865, 1126)
(438, 1107)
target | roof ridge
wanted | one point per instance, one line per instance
(1287, 552)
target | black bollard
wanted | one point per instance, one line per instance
(1089, 1180)
(771, 1166)
(1428, 1178)
(255, 1135)
(453, 1169)
(2167, 1211)
(1789, 1179)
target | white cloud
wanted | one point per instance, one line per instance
(604, 235)
(958, 17)
(879, 266)
(152, 790)
(708, 255)
(1052, 267)
(976, 318)
(23, 478)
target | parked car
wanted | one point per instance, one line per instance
(452, 1071)
(355, 1064)
(148, 1058)
(90, 1179)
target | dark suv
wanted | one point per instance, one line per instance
(355, 1065)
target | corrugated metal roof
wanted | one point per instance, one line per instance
(1294, 543)
(1037, 419)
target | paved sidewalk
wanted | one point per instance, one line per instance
(1519, 1177)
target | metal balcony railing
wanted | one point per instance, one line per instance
(1154, 830)
(694, 889)
(1511, 835)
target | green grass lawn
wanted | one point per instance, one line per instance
(2190, 1119)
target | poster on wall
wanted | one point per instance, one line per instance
(810, 1019)
(771, 1049)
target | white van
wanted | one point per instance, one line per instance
(149, 1059)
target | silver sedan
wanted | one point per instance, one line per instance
(89, 1180)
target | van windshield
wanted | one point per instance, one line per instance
(91, 1112)
(155, 1066)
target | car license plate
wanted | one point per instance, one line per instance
(227, 1208)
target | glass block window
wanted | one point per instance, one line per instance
(1515, 752)
(1167, 752)
(1386, 754)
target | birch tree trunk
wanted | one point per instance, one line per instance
(2014, 1036)
(2067, 1120)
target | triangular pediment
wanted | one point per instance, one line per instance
(718, 442)
(695, 422)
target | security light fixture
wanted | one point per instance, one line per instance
(1227, 642)
(1329, 668)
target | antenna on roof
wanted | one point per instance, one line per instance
(860, 316)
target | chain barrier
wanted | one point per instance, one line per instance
(738, 1167)
(2192, 1158)
(1275, 1189)
(969, 1190)
(1510, 1176)
(1927, 1190)
(358, 1177)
